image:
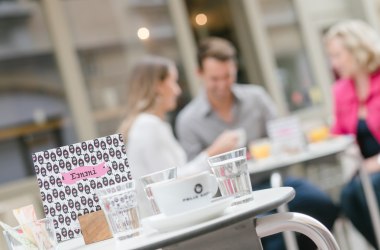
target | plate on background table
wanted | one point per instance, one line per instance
(164, 223)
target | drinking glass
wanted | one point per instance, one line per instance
(260, 149)
(147, 180)
(119, 203)
(39, 234)
(231, 172)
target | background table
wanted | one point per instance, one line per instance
(24, 116)
(314, 151)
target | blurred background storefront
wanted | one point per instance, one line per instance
(64, 63)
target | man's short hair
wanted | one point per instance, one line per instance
(217, 48)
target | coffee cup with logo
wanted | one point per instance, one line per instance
(184, 193)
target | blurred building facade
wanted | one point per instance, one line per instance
(64, 63)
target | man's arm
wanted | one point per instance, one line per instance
(188, 139)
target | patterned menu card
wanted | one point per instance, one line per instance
(68, 177)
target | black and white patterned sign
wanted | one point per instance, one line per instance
(68, 177)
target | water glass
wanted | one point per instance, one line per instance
(39, 234)
(119, 203)
(231, 172)
(260, 149)
(147, 180)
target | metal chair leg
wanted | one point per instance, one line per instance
(371, 201)
(368, 192)
(300, 223)
(289, 237)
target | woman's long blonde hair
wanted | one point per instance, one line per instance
(141, 88)
(361, 40)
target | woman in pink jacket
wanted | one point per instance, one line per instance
(354, 51)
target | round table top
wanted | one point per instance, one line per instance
(263, 201)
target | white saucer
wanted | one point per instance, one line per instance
(164, 223)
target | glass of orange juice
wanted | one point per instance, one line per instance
(318, 134)
(260, 149)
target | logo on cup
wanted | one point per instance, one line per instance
(198, 188)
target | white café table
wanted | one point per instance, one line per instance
(329, 147)
(264, 201)
(313, 151)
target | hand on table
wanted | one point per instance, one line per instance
(225, 142)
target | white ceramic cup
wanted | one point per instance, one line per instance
(185, 193)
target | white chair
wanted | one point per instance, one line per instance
(289, 237)
(352, 155)
(296, 222)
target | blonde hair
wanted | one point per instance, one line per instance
(361, 40)
(141, 88)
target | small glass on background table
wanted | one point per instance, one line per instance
(260, 149)
(119, 203)
(231, 172)
(147, 180)
(39, 234)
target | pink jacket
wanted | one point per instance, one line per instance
(346, 106)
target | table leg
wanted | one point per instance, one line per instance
(371, 201)
(26, 157)
(300, 223)
(58, 137)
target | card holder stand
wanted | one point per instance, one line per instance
(94, 227)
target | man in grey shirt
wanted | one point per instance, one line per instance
(224, 105)
(198, 125)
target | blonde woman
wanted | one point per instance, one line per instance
(354, 51)
(152, 92)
